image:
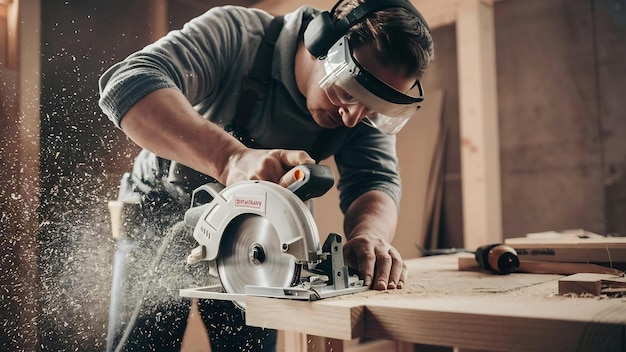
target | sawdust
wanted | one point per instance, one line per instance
(74, 263)
(444, 283)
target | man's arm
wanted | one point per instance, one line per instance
(165, 123)
(370, 225)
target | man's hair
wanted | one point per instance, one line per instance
(398, 36)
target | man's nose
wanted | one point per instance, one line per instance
(352, 114)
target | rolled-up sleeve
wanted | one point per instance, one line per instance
(125, 83)
(197, 60)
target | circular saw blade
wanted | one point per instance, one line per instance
(250, 254)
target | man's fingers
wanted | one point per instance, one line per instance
(383, 269)
(271, 170)
(364, 260)
(403, 277)
(397, 269)
(292, 158)
(265, 164)
(366, 268)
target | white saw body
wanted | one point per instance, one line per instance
(259, 237)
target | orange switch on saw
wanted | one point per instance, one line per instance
(294, 175)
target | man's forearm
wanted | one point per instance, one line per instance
(165, 123)
(370, 224)
(373, 212)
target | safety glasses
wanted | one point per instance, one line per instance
(347, 82)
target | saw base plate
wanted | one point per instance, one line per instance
(296, 293)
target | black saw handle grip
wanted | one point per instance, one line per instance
(308, 181)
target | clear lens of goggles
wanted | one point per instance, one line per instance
(386, 124)
(347, 82)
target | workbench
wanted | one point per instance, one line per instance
(443, 306)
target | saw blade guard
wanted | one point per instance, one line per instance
(288, 214)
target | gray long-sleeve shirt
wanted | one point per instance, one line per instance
(208, 59)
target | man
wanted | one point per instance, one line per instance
(341, 86)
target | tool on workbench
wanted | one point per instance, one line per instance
(571, 246)
(440, 251)
(498, 258)
(503, 259)
(260, 239)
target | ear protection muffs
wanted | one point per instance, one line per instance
(323, 31)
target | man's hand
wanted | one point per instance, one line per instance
(370, 224)
(378, 262)
(262, 164)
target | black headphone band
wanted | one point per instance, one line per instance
(323, 31)
(359, 13)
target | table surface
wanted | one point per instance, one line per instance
(441, 305)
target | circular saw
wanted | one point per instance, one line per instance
(260, 238)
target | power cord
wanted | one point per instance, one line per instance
(145, 284)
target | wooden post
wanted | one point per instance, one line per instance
(19, 116)
(480, 147)
(323, 344)
(13, 29)
(158, 14)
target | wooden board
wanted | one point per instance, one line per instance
(596, 249)
(539, 267)
(334, 318)
(497, 323)
(594, 284)
(443, 306)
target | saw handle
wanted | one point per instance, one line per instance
(308, 181)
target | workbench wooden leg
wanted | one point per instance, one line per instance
(297, 342)
(323, 344)
(405, 347)
(290, 341)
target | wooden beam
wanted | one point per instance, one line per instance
(437, 13)
(158, 13)
(22, 122)
(323, 344)
(328, 320)
(480, 147)
(13, 31)
(461, 322)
